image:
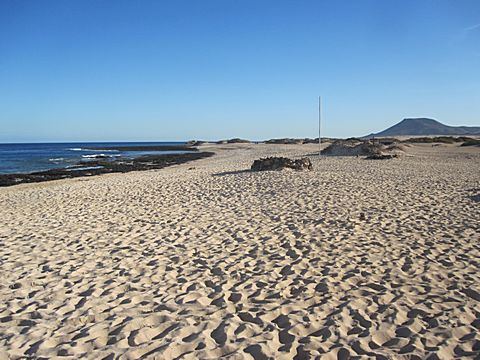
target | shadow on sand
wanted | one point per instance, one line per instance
(232, 172)
(475, 198)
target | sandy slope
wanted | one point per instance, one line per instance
(370, 258)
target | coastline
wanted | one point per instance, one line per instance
(354, 258)
(99, 165)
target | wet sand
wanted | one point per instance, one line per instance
(370, 259)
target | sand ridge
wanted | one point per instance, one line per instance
(372, 259)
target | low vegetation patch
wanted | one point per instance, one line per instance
(471, 142)
(441, 139)
(353, 147)
(429, 140)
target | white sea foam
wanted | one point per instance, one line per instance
(109, 150)
(56, 159)
(98, 156)
(96, 150)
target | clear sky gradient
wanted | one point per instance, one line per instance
(211, 69)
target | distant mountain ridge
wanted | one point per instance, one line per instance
(425, 126)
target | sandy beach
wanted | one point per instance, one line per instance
(206, 260)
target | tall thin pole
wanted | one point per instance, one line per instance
(319, 127)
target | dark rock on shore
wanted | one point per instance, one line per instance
(279, 163)
(101, 166)
(195, 142)
(100, 156)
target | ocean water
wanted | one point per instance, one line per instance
(27, 158)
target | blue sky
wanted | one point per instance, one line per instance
(211, 69)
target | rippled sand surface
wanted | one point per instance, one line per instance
(361, 259)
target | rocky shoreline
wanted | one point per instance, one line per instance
(187, 147)
(104, 166)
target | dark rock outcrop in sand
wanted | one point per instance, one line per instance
(279, 163)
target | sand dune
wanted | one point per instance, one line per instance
(369, 259)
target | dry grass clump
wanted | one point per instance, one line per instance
(397, 147)
(354, 147)
(369, 148)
